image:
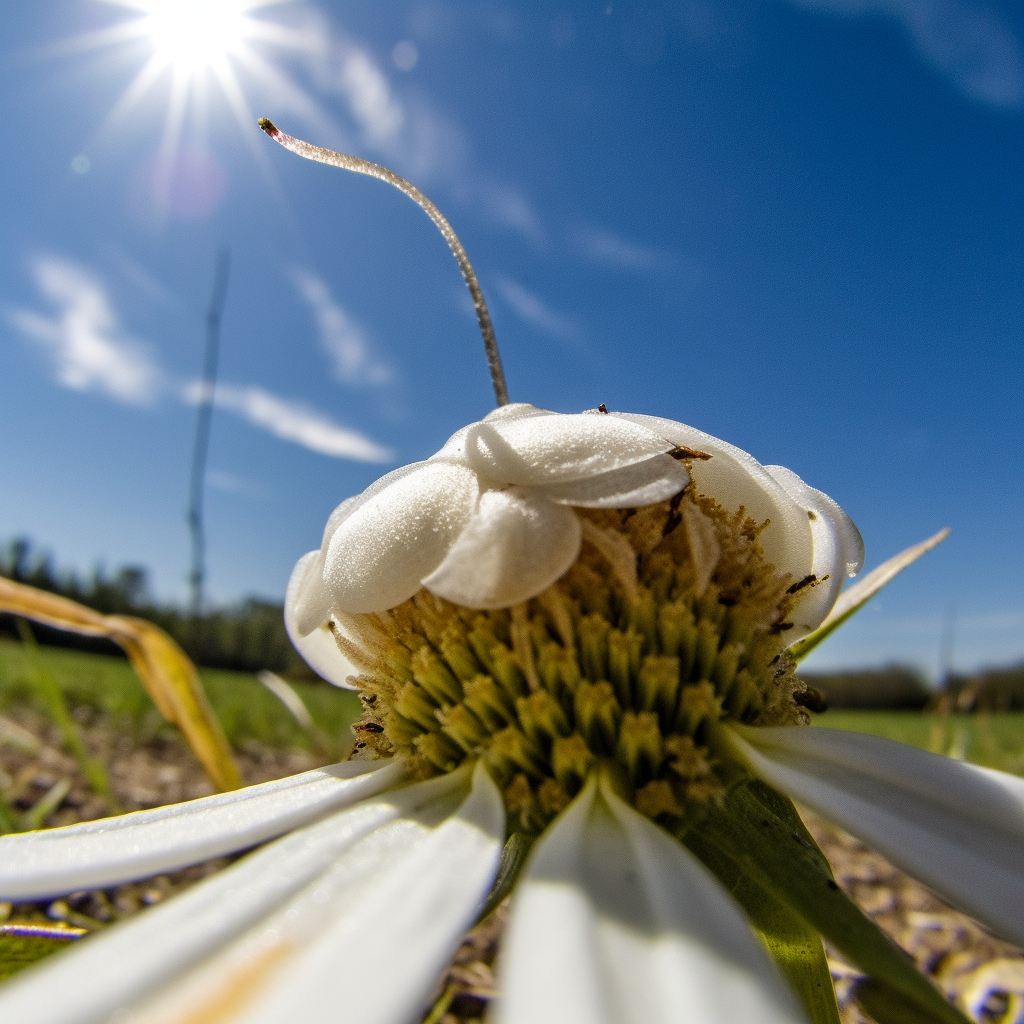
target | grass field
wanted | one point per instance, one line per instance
(249, 711)
(245, 707)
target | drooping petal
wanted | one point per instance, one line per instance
(956, 827)
(616, 923)
(379, 554)
(554, 448)
(838, 547)
(96, 854)
(349, 919)
(643, 483)
(734, 478)
(515, 545)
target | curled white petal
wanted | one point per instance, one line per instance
(838, 548)
(634, 486)
(515, 545)
(379, 554)
(96, 854)
(555, 448)
(349, 919)
(307, 602)
(616, 923)
(307, 606)
(956, 827)
(454, 449)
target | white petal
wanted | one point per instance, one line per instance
(554, 448)
(643, 483)
(734, 478)
(838, 547)
(956, 827)
(352, 918)
(308, 601)
(515, 545)
(350, 505)
(381, 552)
(616, 923)
(96, 854)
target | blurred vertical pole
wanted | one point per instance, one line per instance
(204, 414)
(948, 637)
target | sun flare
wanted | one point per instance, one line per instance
(193, 35)
(202, 55)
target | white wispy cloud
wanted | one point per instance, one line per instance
(89, 348)
(293, 421)
(968, 42)
(229, 483)
(534, 310)
(604, 247)
(341, 337)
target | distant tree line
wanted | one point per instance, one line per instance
(895, 687)
(247, 636)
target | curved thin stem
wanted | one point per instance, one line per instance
(353, 163)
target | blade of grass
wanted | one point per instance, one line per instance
(50, 693)
(34, 817)
(855, 597)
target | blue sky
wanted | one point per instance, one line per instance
(796, 224)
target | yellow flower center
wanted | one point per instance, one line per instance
(669, 621)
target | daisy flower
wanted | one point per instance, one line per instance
(575, 639)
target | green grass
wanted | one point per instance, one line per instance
(245, 707)
(994, 740)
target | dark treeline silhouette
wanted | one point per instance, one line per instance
(894, 687)
(248, 636)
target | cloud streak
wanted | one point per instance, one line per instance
(83, 337)
(535, 311)
(293, 421)
(90, 351)
(967, 42)
(610, 250)
(340, 336)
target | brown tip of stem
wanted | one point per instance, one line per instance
(269, 127)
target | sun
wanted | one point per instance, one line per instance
(191, 36)
(198, 54)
